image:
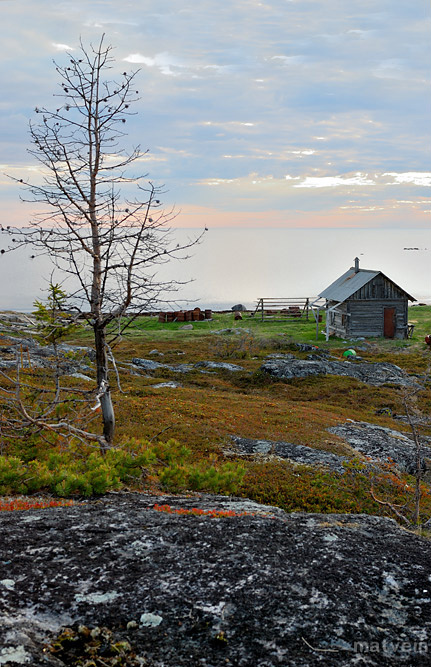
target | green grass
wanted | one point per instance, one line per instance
(297, 329)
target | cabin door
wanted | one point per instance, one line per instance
(389, 322)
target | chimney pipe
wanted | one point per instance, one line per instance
(356, 265)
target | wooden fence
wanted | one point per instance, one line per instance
(298, 307)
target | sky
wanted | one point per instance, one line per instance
(280, 113)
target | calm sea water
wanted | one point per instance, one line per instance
(241, 265)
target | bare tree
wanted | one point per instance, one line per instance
(107, 241)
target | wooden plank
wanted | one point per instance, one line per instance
(287, 307)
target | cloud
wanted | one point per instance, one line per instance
(362, 34)
(377, 182)
(416, 178)
(63, 47)
(231, 126)
(289, 60)
(335, 181)
(362, 208)
(171, 65)
(111, 22)
(165, 62)
(250, 106)
(308, 151)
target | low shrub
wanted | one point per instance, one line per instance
(85, 474)
(305, 489)
(19, 504)
(226, 478)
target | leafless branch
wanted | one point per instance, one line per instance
(110, 242)
(391, 506)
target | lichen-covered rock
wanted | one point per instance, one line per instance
(286, 450)
(151, 365)
(273, 589)
(216, 365)
(382, 444)
(287, 366)
(72, 358)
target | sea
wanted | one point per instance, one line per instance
(239, 266)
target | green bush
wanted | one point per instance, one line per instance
(67, 473)
(12, 472)
(174, 478)
(203, 477)
(226, 479)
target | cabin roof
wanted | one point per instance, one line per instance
(351, 281)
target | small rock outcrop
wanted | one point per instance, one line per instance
(218, 365)
(382, 444)
(287, 366)
(286, 450)
(150, 365)
(256, 586)
(73, 358)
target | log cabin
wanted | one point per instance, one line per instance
(365, 303)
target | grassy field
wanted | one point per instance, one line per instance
(299, 329)
(208, 408)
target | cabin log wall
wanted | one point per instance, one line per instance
(366, 318)
(380, 289)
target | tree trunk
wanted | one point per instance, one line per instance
(104, 390)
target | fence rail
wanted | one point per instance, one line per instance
(295, 307)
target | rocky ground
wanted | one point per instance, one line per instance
(384, 444)
(300, 454)
(279, 366)
(377, 443)
(264, 588)
(215, 581)
(287, 366)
